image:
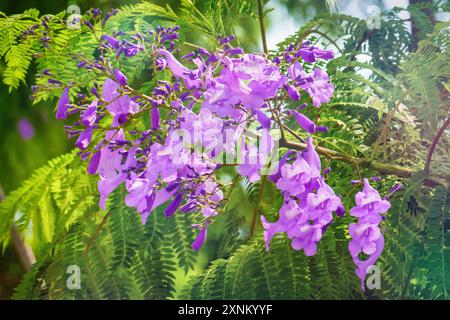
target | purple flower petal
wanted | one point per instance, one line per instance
(120, 77)
(262, 118)
(308, 125)
(113, 42)
(293, 92)
(155, 118)
(93, 163)
(200, 239)
(175, 66)
(64, 100)
(173, 206)
(89, 116)
(84, 139)
(307, 55)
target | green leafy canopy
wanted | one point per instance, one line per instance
(386, 108)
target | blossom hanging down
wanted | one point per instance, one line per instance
(308, 202)
(366, 235)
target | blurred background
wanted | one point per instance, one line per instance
(30, 135)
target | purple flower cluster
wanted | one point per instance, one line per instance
(158, 165)
(316, 84)
(366, 235)
(247, 81)
(198, 117)
(308, 201)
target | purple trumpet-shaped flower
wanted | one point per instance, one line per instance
(308, 125)
(131, 49)
(293, 92)
(294, 177)
(247, 81)
(310, 54)
(295, 71)
(89, 116)
(307, 239)
(367, 239)
(289, 216)
(318, 87)
(84, 139)
(93, 163)
(155, 118)
(118, 105)
(179, 70)
(322, 203)
(369, 202)
(120, 77)
(173, 206)
(274, 177)
(262, 118)
(200, 239)
(64, 100)
(160, 64)
(112, 42)
(312, 157)
(111, 170)
(316, 84)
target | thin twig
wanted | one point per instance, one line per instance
(385, 130)
(256, 208)
(23, 249)
(292, 132)
(434, 145)
(97, 231)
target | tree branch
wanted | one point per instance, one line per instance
(23, 250)
(383, 168)
(261, 26)
(256, 208)
(434, 145)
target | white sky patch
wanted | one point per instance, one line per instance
(282, 24)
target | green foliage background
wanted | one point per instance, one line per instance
(386, 109)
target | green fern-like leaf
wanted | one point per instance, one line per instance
(52, 199)
(283, 273)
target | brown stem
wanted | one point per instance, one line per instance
(381, 167)
(97, 232)
(261, 26)
(434, 145)
(256, 208)
(23, 250)
(361, 162)
(293, 133)
(385, 130)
